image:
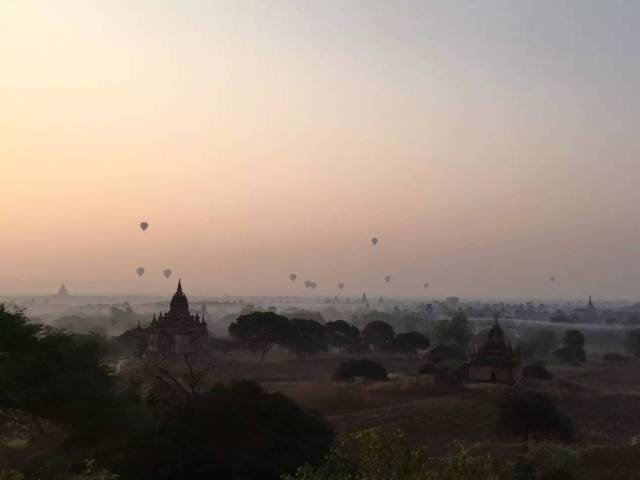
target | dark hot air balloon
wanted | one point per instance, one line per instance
(341, 285)
(387, 278)
(307, 284)
(426, 286)
(140, 271)
(313, 285)
(167, 273)
(144, 226)
(374, 240)
(293, 277)
(552, 278)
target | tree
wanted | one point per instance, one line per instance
(54, 375)
(533, 414)
(342, 335)
(410, 342)
(456, 330)
(236, 431)
(572, 350)
(368, 370)
(307, 337)
(379, 334)
(259, 331)
(632, 344)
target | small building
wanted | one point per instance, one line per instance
(176, 332)
(496, 361)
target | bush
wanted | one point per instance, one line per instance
(366, 369)
(383, 454)
(531, 414)
(545, 461)
(235, 431)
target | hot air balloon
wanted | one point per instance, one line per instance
(144, 226)
(293, 277)
(426, 286)
(341, 285)
(307, 284)
(167, 273)
(552, 278)
(374, 240)
(140, 271)
(387, 278)
(313, 285)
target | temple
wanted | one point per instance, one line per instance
(495, 361)
(176, 332)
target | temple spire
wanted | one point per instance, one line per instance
(179, 290)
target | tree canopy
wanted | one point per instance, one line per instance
(235, 431)
(455, 331)
(572, 350)
(379, 334)
(410, 342)
(259, 331)
(54, 375)
(342, 335)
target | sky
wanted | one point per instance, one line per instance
(488, 145)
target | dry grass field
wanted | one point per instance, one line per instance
(602, 400)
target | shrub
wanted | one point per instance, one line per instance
(368, 370)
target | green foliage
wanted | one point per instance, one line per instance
(533, 414)
(54, 375)
(456, 331)
(368, 370)
(11, 475)
(410, 342)
(379, 334)
(545, 461)
(92, 472)
(572, 350)
(632, 343)
(383, 454)
(461, 465)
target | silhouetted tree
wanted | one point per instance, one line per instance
(572, 350)
(342, 335)
(54, 375)
(410, 342)
(259, 331)
(632, 344)
(307, 337)
(379, 334)
(456, 331)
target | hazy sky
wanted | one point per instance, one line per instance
(488, 144)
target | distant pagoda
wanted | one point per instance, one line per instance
(176, 332)
(62, 291)
(496, 361)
